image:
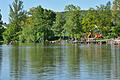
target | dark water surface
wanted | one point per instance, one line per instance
(59, 62)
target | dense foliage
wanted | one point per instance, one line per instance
(16, 18)
(116, 17)
(73, 20)
(1, 27)
(58, 26)
(38, 24)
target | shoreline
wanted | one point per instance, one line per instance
(99, 42)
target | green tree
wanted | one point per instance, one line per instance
(1, 27)
(32, 29)
(73, 20)
(38, 25)
(58, 26)
(116, 17)
(16, 18)
(104, 18)
(89, 21)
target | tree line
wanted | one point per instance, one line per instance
(38, 24)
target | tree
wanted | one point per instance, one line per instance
(73, 20)
(99, 18)
(104, 18)
(38, 25)
(116, 17)
(16, 18)
(58, 26)
(1, 27)
(89, 21)
(0, 20)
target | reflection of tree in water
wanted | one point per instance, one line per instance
(73, 54)
(97, 60)
(115, 62)
(43, 60)
(39, 61)
(40, 58)
(14, 58)
(0, 59)
(17, 62)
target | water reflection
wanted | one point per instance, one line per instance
(60, 62)
(73, 59)
(0, 59)
(17, 62)
(97, 62)
(115, 62)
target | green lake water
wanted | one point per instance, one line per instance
(59, 62)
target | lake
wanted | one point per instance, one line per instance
(59, 62)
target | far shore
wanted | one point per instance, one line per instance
(115, 41)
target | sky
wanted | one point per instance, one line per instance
(55, 5)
